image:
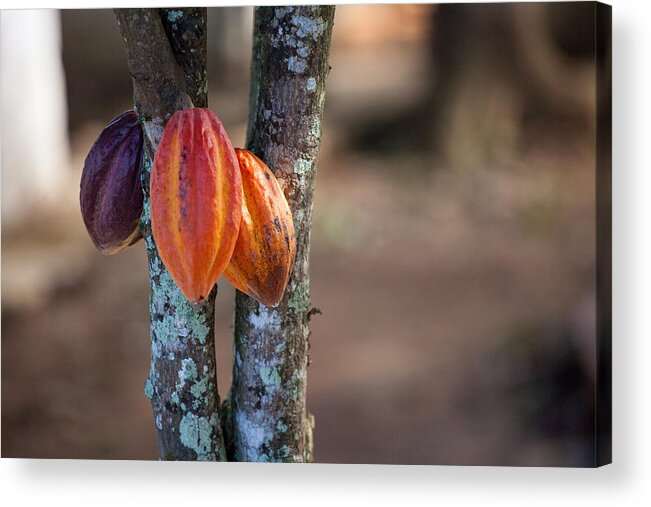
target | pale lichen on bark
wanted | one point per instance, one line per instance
(166, 57)
(267, 402)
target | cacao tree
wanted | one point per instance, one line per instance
(264, 417)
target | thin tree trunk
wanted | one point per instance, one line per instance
(166, 52)
(267, 404)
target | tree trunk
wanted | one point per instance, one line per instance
(166, 52)
(267, 404)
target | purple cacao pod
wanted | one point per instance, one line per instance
(110, 191)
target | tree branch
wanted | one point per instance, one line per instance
(182, 382)
(187, 32)
(290, 65)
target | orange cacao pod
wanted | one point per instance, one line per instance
(266, 245)
(196, 200)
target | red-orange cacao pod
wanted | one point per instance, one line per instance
(196, 200)
(266, 245)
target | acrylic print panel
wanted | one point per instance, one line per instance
(449, 294)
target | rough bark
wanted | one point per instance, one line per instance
(290, 64)
(166, 52)
(187, 32)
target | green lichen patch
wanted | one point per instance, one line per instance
(166, 332)
(299, 302)
(284, 452)
(196, 433)
(270, 377)
(173, 16)
(311, 84)
(308, 26)
(303, 166)
(149, 388)
(295, 385)
(296, 65)
(199, 388)
(265, 321)
(187, 372)
(178, 318)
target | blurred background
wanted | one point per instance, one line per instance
(453, 252)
